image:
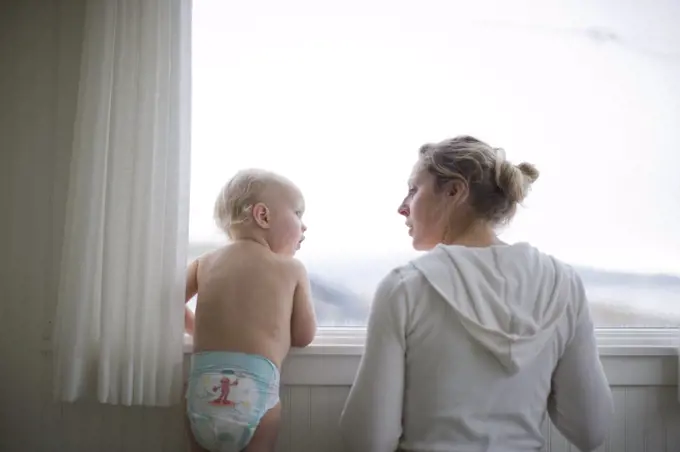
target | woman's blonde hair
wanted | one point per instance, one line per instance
(495, 185)
(235, 201)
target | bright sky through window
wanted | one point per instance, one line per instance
(339, 96)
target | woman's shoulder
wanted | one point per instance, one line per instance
(403, 274)
(402, 281)
(396, 293)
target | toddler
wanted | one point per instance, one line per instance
(253, 304)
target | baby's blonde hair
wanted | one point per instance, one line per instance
(495, 185)
(235, 202)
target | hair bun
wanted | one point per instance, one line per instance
(529, 171)
(515, 181)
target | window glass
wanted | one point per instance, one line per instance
(339, 97)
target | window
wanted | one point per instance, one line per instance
(339, 97)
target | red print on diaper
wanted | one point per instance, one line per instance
(224, 388)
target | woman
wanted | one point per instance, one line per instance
(471, 344)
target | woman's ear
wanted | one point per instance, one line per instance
(261, 215)
(458, 190)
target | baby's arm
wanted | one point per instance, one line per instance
(191, 291)
(303, 319)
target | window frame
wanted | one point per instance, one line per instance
(620, 341)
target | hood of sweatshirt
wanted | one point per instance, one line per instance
(509, 298)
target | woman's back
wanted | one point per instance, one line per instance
(480, 334)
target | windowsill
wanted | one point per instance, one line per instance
(630, 357)
(357, 350)
(612, 342)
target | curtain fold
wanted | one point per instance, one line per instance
(118, 330)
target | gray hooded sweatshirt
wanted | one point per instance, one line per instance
(467, 349)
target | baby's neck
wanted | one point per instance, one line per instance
(252, 239)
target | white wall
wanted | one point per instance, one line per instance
(644, 385)
(646, 421)
(39, 58)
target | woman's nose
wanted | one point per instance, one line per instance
(403, 210)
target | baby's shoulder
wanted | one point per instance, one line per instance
(291, 266)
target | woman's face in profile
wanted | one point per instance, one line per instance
(423, 207)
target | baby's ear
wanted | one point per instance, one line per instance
(261, 215)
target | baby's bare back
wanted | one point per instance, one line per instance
(245, 301)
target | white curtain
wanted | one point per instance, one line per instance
(119, 324)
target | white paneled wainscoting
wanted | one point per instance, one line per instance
(643, 380)
(648, 419)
